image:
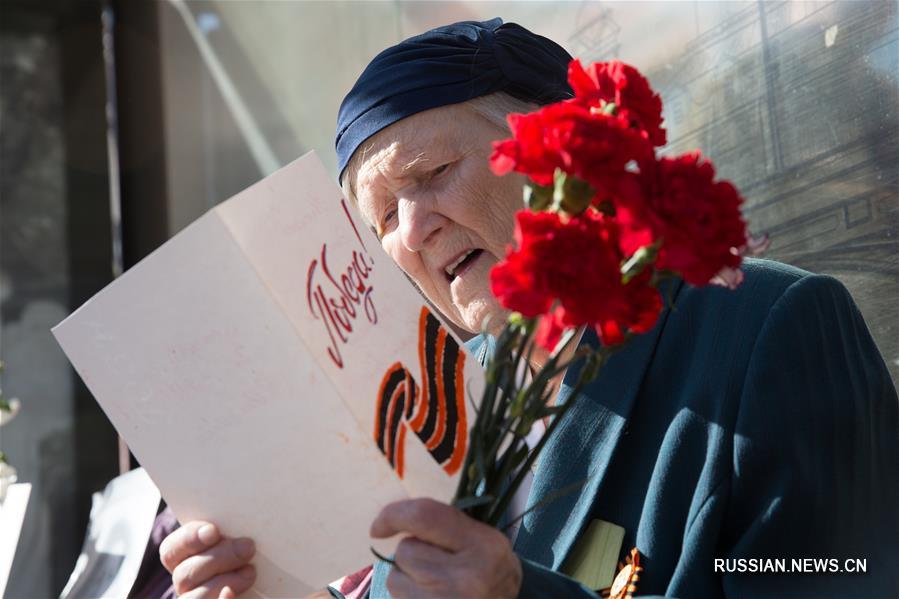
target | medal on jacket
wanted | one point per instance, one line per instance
(625, 584)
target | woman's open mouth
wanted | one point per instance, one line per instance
(461, 264)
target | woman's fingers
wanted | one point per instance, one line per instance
(227, 556)
(429, 520)
(448, 555)
(421, 561)
(204, 564)
(402, 586)
(191, 539)
(224, 586)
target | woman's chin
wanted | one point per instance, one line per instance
(484, 316)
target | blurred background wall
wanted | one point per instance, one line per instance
(55, 252)
(797, 102)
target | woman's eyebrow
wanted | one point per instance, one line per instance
(433, 154)
(419, 159)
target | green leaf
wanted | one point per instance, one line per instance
(537, 197)
(519, 456)
(524, 427)
(642, 258)
(571, 194)
(472, 501)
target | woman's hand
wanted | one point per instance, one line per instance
(448, 554)
(204, 564)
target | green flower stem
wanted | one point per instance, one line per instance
(498, 448)
(502, 504)
(479, 466)
(527, 407)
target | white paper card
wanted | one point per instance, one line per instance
(275, 373)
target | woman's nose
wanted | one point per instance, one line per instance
(418, 222)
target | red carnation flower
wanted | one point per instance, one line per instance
(527, 151)
(566, 135)
(576, 263)
(550, 329)
(698, 218)
(622, 84)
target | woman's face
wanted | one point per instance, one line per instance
(427, 191)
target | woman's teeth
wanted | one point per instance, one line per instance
(451, 269)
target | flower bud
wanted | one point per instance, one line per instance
(571, 194)
(644, 256)
(537, 197)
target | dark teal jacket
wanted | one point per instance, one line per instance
(756, 423)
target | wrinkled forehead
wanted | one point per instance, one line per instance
(413, 142)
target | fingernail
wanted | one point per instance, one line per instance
(208, 535)
(244, 548)
(248, 572)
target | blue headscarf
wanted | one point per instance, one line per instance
(448, 65)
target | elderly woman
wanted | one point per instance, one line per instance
(747, 426)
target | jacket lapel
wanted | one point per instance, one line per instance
(582, 447)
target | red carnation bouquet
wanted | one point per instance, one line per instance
(606, 221)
